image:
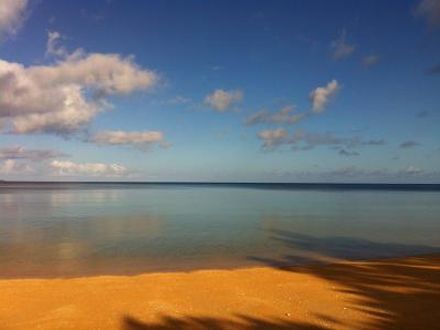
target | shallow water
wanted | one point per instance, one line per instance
(81, 229)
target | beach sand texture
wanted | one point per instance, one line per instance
(383, 294)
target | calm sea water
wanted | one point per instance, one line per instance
(80, 229)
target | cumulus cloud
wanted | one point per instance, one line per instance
(21, 153)
(221, 100)
(11, 15)
(273, 138)
(45, 162)
(140, 139)
(321, 96)
(340, 48)
(63, 97)
(286, 115)
(11, 166)
(409, 144)
(370, 60)
(430, 10)
(68, 168)
(18, 160)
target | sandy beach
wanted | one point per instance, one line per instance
(383, 294)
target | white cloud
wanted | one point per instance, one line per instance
(52, 47)
(11, 166)
(18, 152)
(273, 138)
(69, 168)
(63, 97)
(430, 9)
(321, 96)
(73, 113)
(341, 49)
(286, 115)
(221, 100)
(370, 60)
(412, 170)
(145, 138)
(105, 73)
(17, 160)
(11, 15)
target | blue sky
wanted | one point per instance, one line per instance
(285, 91)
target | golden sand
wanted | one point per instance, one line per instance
(385, 294)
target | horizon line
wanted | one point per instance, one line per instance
(216, 182)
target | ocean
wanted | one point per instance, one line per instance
(78, 229)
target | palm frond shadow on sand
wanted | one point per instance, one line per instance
(396, 294)
(199, 323)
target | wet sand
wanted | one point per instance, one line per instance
(383, 294)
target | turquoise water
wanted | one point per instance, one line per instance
(54, 230)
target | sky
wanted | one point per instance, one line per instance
(233, 91)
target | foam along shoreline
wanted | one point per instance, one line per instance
(395, 293)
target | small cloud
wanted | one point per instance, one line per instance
(430, 10)
(68, 168)
(300, 140)
(321, 96)
(52, 46)
(377, 142)
(370, 61)
(340, 48)
(140, 139)
(273, 138)
(409, 144)
(286, 115)
(11, 16)
(355, 174)
(11, 166)
(433, 70)
(21, 153)
(348, 153)
(221, 100)
(178, 100)
(412, 170)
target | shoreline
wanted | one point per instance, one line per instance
(399, 293)
(312, 263)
